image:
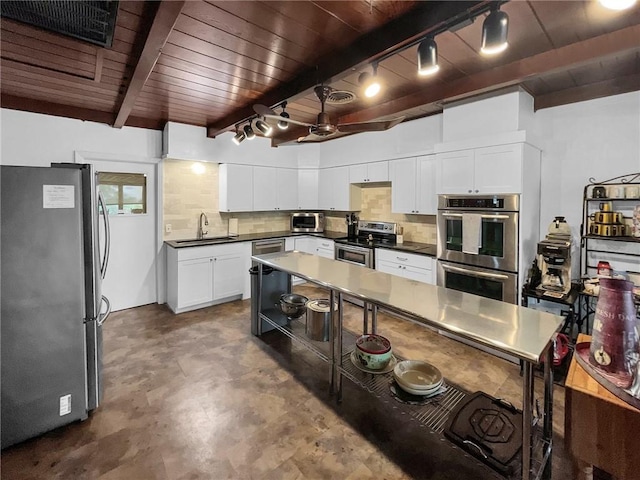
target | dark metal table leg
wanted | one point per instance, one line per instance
(374, 319)
(527, 418)
(365, 318)
(332, 341)
(339, 346)
(547, 428)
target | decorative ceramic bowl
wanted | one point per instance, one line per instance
(373, 351)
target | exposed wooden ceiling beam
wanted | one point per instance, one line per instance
(424, 18)
(570, 56)
(613, 86)
(163, 22)
(13, 102)
(56, 109)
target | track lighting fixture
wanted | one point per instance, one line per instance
(238, 138)
(494, 33)
(370, 83)
(428, 57)
(263, 127)
(248, 132)
(282, 124)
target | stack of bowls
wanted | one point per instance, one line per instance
(373, 351)
(417, 377)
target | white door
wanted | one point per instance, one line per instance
(426, 198)
(131, 278)
(498, 169)
(228, 275)
(287, 188)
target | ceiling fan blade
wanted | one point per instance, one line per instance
(369, 126)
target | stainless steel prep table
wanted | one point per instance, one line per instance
(522, 332)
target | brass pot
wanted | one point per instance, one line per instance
(607, 217)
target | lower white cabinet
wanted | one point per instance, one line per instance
(201, 276)
(315, 246)
(324, 248)
(406, 265)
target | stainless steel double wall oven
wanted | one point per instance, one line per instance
(478, 245)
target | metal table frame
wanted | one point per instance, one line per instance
(544, 444)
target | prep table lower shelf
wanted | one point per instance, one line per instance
(433, 415)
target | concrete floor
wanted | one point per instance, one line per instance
(196, 396)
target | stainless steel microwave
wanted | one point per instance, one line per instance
(307, 222)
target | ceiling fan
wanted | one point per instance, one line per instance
(323, 126)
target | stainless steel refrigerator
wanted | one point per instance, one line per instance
(52, 307)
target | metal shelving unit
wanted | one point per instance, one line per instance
(433, 414)
(533, 462)
(610, 248)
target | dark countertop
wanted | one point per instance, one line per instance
(413, 247)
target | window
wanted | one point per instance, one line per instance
(123, 192)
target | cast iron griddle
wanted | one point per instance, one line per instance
(488, 429)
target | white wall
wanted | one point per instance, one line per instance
(598, 138)
(32, 139)
(37, 140)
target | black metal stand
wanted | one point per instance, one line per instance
(570, 301)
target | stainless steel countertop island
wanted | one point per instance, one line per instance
(519, 331)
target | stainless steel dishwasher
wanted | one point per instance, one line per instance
(261, 247)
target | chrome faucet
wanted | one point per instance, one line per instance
(201, 232)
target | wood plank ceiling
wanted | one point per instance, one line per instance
(207, 62)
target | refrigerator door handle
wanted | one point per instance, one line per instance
(103, 316)
(107, 236)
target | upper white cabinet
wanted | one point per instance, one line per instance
(369, 172)
(413, 185)
(308, 189)
(275, 189)
(335, 191)
(265, 195)
(481, 171)
(235, 188)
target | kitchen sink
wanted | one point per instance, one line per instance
(204, 240)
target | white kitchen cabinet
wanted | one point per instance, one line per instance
(305, 244)
(413, 185)
(228, 275)
(201, 276)
(287, 188)
(264, 192)
(195, 282)
(369, 172)
(315, 246)
(324, 248)
(335, 191)
(481, 171)
(406, 265)
(308, 189)
(235, 183)
(275, 189)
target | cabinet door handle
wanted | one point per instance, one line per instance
(402, 259)
(470, 191)
(476, 191)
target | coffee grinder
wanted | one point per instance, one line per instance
(554, 257)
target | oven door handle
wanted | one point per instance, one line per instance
(354, 249)
(473, 273)
(489, 216)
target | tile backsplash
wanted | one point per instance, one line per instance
(192, 187)
(376, 205)
(187, 194)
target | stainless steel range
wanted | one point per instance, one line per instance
(370, 235)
